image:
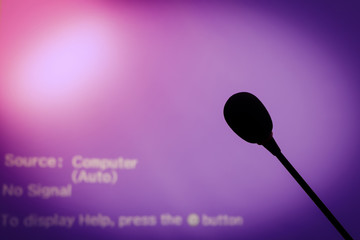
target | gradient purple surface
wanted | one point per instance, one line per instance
(149, 80)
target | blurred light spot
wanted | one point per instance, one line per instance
(65, 66)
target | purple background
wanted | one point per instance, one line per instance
(155, 91)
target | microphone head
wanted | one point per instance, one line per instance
(248, 118)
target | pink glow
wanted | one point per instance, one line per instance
(53, 75)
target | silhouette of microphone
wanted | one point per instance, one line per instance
(249, 119)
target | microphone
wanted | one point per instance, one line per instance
(248, 118)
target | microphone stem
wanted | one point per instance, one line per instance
(313, 196)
